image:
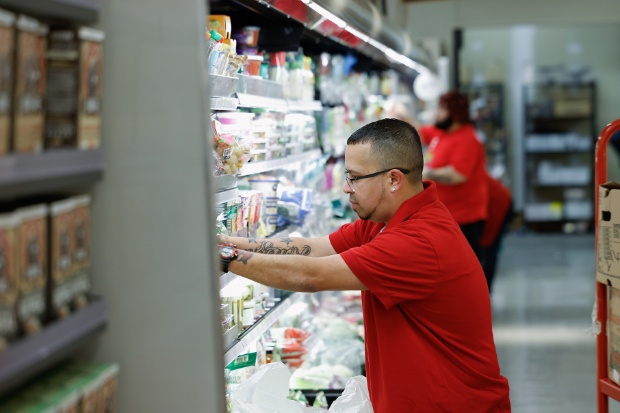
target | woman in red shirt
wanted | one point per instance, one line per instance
(455, 160)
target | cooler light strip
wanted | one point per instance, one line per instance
(327, 14)
(390, 53)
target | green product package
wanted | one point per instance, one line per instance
(321, 401)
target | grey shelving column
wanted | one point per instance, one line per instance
(153, 217)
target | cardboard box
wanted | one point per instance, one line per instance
(608, 243)
(7, 47)
(30, 71)
(614, 334)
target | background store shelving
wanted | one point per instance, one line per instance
(41, 175)
(559, 155)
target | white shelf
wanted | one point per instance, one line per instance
(305, 106)
(227, 195)
(224, 104)
(258, 167)
(254, 101)
(260, 327)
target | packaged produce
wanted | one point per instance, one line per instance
(30, 76)
(232, 142)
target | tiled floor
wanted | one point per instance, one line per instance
(542, 306)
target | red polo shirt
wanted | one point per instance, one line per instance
(427, 313)
(467, 202)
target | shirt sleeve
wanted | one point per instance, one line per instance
(427, 133)
(465, 155)
(345, 237)
(395, 267)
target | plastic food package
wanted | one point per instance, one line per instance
(267, 391)
(232, 146)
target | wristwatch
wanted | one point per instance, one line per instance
(228, 252)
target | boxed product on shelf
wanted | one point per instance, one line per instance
(7, 47)
(74, 88)
(32, 267)
(61, 256)
(81, 250)
(29, 91)
(9, 287)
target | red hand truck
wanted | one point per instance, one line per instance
(605, 388)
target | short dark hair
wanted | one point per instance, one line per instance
(457, 105)
(396, 144)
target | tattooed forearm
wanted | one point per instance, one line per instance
(244, 257)
(268, 247)
(286, 240)
(252, 241)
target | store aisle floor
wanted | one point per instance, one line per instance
(542, 306)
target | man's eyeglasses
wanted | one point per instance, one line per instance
(357, 178)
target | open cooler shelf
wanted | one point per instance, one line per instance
(260, 327)
(48, 171)
(85, 11)
(27, 358)
(265, 166)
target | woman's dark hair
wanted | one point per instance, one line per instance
(457, 105)
(396, 145)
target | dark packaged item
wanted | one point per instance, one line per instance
(74, 93)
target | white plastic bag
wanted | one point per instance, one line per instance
(267, 390)
(354, 398)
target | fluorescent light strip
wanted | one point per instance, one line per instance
(357, 34)
(390, 53)
(327, 14)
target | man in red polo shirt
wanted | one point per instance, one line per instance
(456, 161)
(427, 312)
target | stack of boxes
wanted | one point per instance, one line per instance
(44, 265)
(50, 97)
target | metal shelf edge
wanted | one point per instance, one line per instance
(227, 278)
(33, 355)
(85, 11)
(264, 166)
(260, 327)
(227, 195)
(49, 171)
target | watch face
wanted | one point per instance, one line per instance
(227, 251)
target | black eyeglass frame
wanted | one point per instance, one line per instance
(357, 178)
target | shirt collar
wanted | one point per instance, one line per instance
(414, 204)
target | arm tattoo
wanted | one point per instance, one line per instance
(244, 257)
(267, 247)
(286, 241)
(252, 241)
